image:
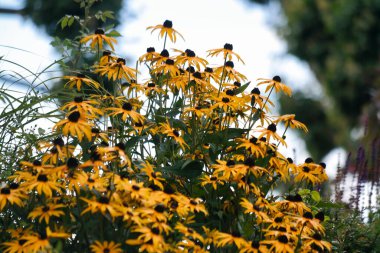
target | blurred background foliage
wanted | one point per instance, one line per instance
(339, 40)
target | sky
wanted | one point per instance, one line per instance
(204, 24)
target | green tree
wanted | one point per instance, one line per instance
(340, 41)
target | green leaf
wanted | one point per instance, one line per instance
(315, 196)
(241, 88)
(64, 22)
(71, 21)
(114, 33)
(187, 168)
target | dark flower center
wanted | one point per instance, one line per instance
(290, 160)
(176, 133)
(138, 124)
(169, 62)
(225, 100)
(230, 92)
(95, 130)
(255, 91)
(277, 79)
(308, 215)
(74, 117)
(45, 209)
(249, 162)
(37, 163)
(317, 237)
(90, 180)
(160, 208)
(230, 162)
(272, 127)
(72, 163)
(228, 46)
(42, 178)
(323, 165)
(121, 146)
(193, 202)
(283, 239)
(164, 53)
(5, 191)
(150, 50)
(136, 187)
(168, 24)
(99, 31)
(190, 69)
(151, 85)
(106, 53)
(197, 75)
(213, 178)
(155, 231)
(127, 106)
(122, 60)
(168, 189)
(22, 242)
(106, 250)
(78, 99)
(153, 174)
(58, 142)
(237, 84)
(190, 53)
(104, 200)
(13, 186)
(297, 198)
(320, 216)
(306, 169)
(309, 160)
(255, 244)
(81, 75)
(253, 140)
(278, 220)
(209, 70)
(229, 64)
(174, 204)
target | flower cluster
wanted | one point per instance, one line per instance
(183, 160)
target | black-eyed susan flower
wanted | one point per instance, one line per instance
(280, 245)
(40, 242)
(11, 194)
(76, 125)
(315, 242)
(228, 72)
(107, 58)
(126, 110)
(227, 52)
(254, 247)
(117, 70)
(83, 106)
(188, 57)
(78, 80)
(149, 55)
(252, 145)
(153, 176)
(253, 209)
(45, 212)
(166, 29)
(98, 38)
(15, 246)
(102, 204)
(275, 83)
(291, 122)
(168, 67)
(270, 132)
(44, 184)
(174, 133)
(211, 180)
(223, 239)
(106, 247)
(308, 173)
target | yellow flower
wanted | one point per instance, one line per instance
(127, 111)
(167, 67)
(250, 208)
(190, 58)
(227, 52)
(315, 242)
(280, 245)
(175, 134)
(46, 211)
(103, 204)
(290, 121)
(228, 71)
(11, 194)
(97, 39)
(153, 176)
(166, 29)
(102, 247)
(117, 70)
(78, 80)
(275, 83)
(149, 55)
(270, 132)
(254, 247)
(83, 106)
(76, 124)
(44, 184)
(15, 246)
(222, 239)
